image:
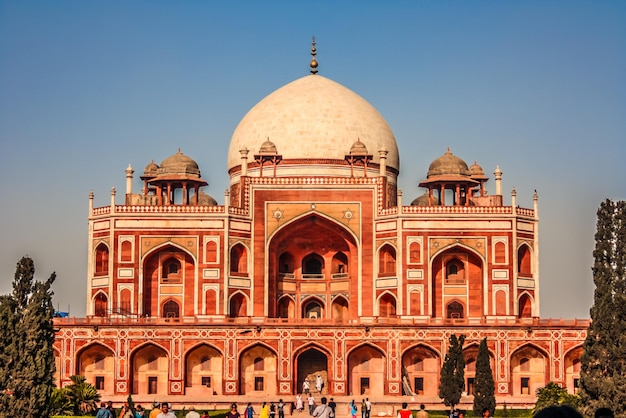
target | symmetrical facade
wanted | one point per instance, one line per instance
(313, 266)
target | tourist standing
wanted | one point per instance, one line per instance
(103, 412)
(422, 412)
(323, 410)
(139, 412)
(156, 410)
(319, 384)
(265, 411)
(353, 408)
(299, 404)
(311, 401)
(363, 408)
(272, 410)
(332, 405)
(233, 413)
(165, 411)
(125, 412)
(306, 386)
(368, 408)
(111, 409)
(281, 409)
(192, 413)
(249, 410)
(405, 412)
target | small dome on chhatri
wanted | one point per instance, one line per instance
(448, 164)
(424, 200)
(179, 163)
(268, 148)
(151, 169)
(206, 200)
(476, 171)
(358, 148)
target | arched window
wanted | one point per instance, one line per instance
(101, 305)
(455, 310)
(171, 309)
(340, 266)
(127, 251)
(238, 306)
(239, 260)
(340, 309)
(499, 252)
(523, 261)
(387, 261)
(525, 307)
(171, 266)
(387, 306)
(124, 306)
(286, 263)
(415, 253)
(210, 252)
(455, 271)
(101, 267)
(312, 267)
(312, 310)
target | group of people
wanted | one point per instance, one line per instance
(159, 410)
(108, 411)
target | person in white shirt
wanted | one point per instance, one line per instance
(323, 410)
(192, 413)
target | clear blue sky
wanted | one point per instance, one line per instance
(88, 87)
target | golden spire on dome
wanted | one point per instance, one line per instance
(313, 63)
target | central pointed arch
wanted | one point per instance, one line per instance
(164, 266)
(459, 275)
(312, 259)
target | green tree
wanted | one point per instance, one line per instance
(26, 356)
(553, 394)
(603, 364)
(83, 396)
(452, 381)
(484, 386)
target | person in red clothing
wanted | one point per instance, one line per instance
(405, 412)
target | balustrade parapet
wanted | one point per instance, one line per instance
(401, 321)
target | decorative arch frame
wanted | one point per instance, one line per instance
(94, 265)
(93, 301)
(545, 355)
(132, 354)
(458, 302)
(304, 302)
(156, 249)
(471, 250)
(379, 248)
(326, 218)
(521, 269)
(248, 256)
(246, 298)
(379, 298)
(282, 298)
(532, 302)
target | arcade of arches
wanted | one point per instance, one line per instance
(367, 369)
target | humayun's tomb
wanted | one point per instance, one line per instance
(314, 264)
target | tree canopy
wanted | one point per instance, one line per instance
(603, 365)
(484, 386)
(452, 380)
(26, 357)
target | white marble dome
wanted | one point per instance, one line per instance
(313, 118)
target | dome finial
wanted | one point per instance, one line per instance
(313, 63)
